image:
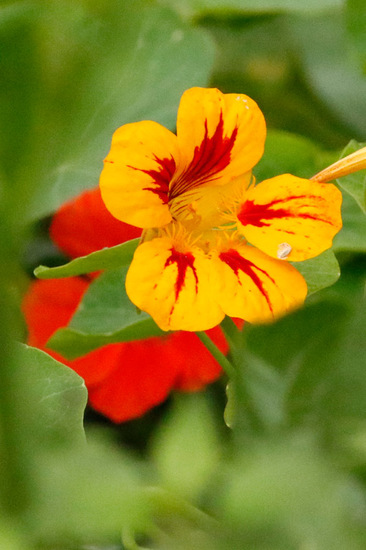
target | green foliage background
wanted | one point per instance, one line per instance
(291, 472)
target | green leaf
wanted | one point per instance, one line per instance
(79, 71)
(82, 490)
(347, 394)
(105, 316)
(331, 71)
(10, 539)
(185, 448)
(261, 401)
(282, 494)
(352, 235)
(237, 7)
(319, 272)
(107, 258)
(58, 396)
(287, 153)
(284, 366)
(88, 494)
(356, 24)
(354, 184)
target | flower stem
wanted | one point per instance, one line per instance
(225, 364)
(348, 165)
(231, 331)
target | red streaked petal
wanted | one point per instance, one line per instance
(83, 225)
(254, 286)
(173, 285)
(221, 136)
(303, 215)
(137, 173)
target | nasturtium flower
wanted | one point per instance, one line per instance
(214, 242)
(124, 380)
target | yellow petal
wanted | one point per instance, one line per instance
(220, 136)
(137, 171)
(255, 287)
(292, 218)
(173, 286)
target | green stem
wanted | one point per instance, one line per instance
(231, 331)
(226, 365)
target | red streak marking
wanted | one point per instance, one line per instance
(209, 159)
(183, 261)
(237, 263)
(259, 215)
(160, 177)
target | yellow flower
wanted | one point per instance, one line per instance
(215, 243)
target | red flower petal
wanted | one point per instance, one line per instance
(84, 225)
(49, 305)
(141, 378)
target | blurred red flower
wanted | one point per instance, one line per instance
(124, 380)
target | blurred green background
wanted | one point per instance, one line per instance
(291, 474)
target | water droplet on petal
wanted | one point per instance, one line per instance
(283, 251)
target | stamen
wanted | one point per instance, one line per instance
(230, 205)
(182, 239)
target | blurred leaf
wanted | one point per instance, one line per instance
(316, 359)
(88, 496)
(287, 363)
(185, 448)
(105, 315)
(58, 397)
(258, 56)
(12, 540)
(225, 7)
(352, 235)
(319, 272)
(107, 258)
(78, 71)
(82, 491)
(332, 73)
(356, 24)
(258, 402)
(284, 494)
(347, 395)
(287, 153)
(354, 184)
